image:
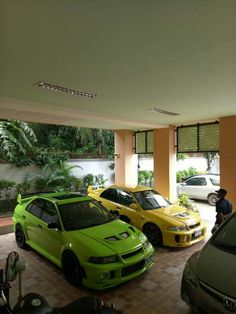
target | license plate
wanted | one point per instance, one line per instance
(197, 233)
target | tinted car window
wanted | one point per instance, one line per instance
(80, 215)
(110, 194)
(215, 181)
(35, 208)
(49, 213)
(196, 181)
(151, 199)
(124, 198)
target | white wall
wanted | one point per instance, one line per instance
(94, 166)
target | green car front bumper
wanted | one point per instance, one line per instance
(104, 276)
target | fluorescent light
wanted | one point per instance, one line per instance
(163, 111)
(63, 89)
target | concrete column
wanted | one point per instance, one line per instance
(165, 162)
(126, 162)
(228, 157)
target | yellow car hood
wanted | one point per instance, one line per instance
(176, 212)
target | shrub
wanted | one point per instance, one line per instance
(6, 187)
(182, 174)
(88, 179)
(146, 177)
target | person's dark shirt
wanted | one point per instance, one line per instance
(223, 206)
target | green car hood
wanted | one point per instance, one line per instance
(113, 237)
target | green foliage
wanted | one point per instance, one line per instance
(55, 177)
(146, 177)
(185, 174)
(6, 187)
(99, 180)
(16, 140)
(181, 156)
(22, 187)
(88, 179)
(185, 201)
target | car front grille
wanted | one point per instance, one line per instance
(127, 255)
(132, 268)
(195, 225)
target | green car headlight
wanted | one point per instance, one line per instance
(104, 259)
(146, 244)
(177, 228)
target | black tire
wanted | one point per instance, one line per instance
(20, 237)
(153, 233)
(72, 269)
(212, 198)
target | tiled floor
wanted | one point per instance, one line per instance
(157, 291)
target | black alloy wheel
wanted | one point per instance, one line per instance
(72, 269)
(153, 234)
(20, 237)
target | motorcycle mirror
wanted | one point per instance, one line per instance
(10, 268)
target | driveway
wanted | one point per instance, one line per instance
(155, 292)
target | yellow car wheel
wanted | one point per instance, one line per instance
(153, 234)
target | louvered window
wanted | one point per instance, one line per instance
(144, 142)
(198, 138)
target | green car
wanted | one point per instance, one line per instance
(82, 237)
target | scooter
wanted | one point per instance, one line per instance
(34, 303)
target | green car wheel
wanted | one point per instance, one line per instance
(72, 269)
(20, 237)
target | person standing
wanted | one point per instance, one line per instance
(223, 207)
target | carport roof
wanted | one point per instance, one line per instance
(177, 56)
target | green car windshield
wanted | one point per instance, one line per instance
(81, 215)
(150, 199)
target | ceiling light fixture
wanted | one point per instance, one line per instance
(163, 111)
(70, 91)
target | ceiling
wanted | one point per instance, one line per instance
(178, 56)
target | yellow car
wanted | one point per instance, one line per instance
(163, 223)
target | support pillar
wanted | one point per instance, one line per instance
(126, 162)
(228, 157)
(165, 162)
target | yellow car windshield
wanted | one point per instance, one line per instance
(150, 199)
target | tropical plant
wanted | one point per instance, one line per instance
(6, 187)
(88, 179)
(146, 177)
(54, 177)
(185, 201)
(99, 180)
(183, 174)
(21, 188)
(16, 139)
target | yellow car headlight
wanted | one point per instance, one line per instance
(177, 228)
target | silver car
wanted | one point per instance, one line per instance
(208, 281)
(201, 187)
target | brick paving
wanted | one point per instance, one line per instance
(155, 292)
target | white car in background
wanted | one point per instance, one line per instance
(201, 187)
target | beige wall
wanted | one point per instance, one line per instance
(165, 162)
(228, 157)
(126, 162)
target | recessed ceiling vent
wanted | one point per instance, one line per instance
(169, 113)
(63, 89)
